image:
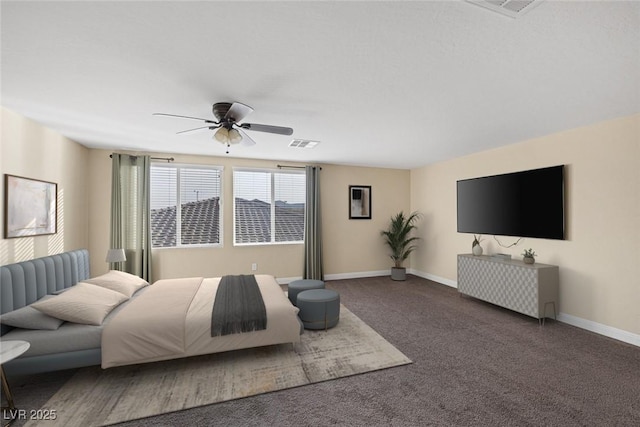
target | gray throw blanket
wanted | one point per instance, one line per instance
(238, 306)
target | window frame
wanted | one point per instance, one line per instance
(272, 173)
(178, 167)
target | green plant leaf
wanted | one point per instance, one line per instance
(397, 236)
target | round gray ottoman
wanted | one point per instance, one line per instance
(302, 285)
(319, 308)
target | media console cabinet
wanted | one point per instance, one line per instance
(530, 289)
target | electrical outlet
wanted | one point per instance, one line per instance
(254, 266)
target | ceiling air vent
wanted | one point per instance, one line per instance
(303, 143)
(511, 8)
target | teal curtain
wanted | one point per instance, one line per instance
(130, 213)
(313, 267)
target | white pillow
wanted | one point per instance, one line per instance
(83, 303)
(119, 281)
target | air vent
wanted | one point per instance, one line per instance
(303, 143)
(511, 8)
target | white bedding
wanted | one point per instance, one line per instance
(173, 320)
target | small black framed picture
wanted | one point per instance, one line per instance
(359, 202)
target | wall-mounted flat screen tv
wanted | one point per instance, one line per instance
(522, 204)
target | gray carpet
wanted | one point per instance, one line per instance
(474, 364)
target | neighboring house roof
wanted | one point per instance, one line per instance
(199, 224)
(253, 221)
(253, 225)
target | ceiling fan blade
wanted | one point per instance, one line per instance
(203, 127)
(280, 130)
(246, 139)
(184, 117)
(238, 111)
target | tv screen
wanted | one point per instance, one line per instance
(522, 204)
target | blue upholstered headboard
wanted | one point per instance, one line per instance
(28, 281)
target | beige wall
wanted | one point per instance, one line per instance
(355, 246)
(599, 260)
(30, 150)
(350, 246)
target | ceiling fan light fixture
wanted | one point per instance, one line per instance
(234, 136)
(227, 136)
(222, 135)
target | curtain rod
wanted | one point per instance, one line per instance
(294, 167)
(168, 159)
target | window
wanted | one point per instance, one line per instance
(268, 206)
(196, 189)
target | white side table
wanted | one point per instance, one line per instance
(9, 350)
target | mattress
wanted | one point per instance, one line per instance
(174, 319)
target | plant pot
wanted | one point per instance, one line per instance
(528, 260)
(476, 250)
(398, 273)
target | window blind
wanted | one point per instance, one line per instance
(268, 206)
(198, 193)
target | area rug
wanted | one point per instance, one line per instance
(96, 397)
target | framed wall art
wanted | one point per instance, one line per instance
(359, 202)
(30, 207)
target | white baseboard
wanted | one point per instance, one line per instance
(378, 273)
(433, 277)
(357, 275)
(339, 276)
(599, 328)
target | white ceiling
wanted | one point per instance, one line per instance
(390, 84)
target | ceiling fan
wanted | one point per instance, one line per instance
(229, 130)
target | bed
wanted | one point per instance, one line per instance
(136, 331)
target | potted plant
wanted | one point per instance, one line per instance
(398, 237)
(529, 256)
(476, 249)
